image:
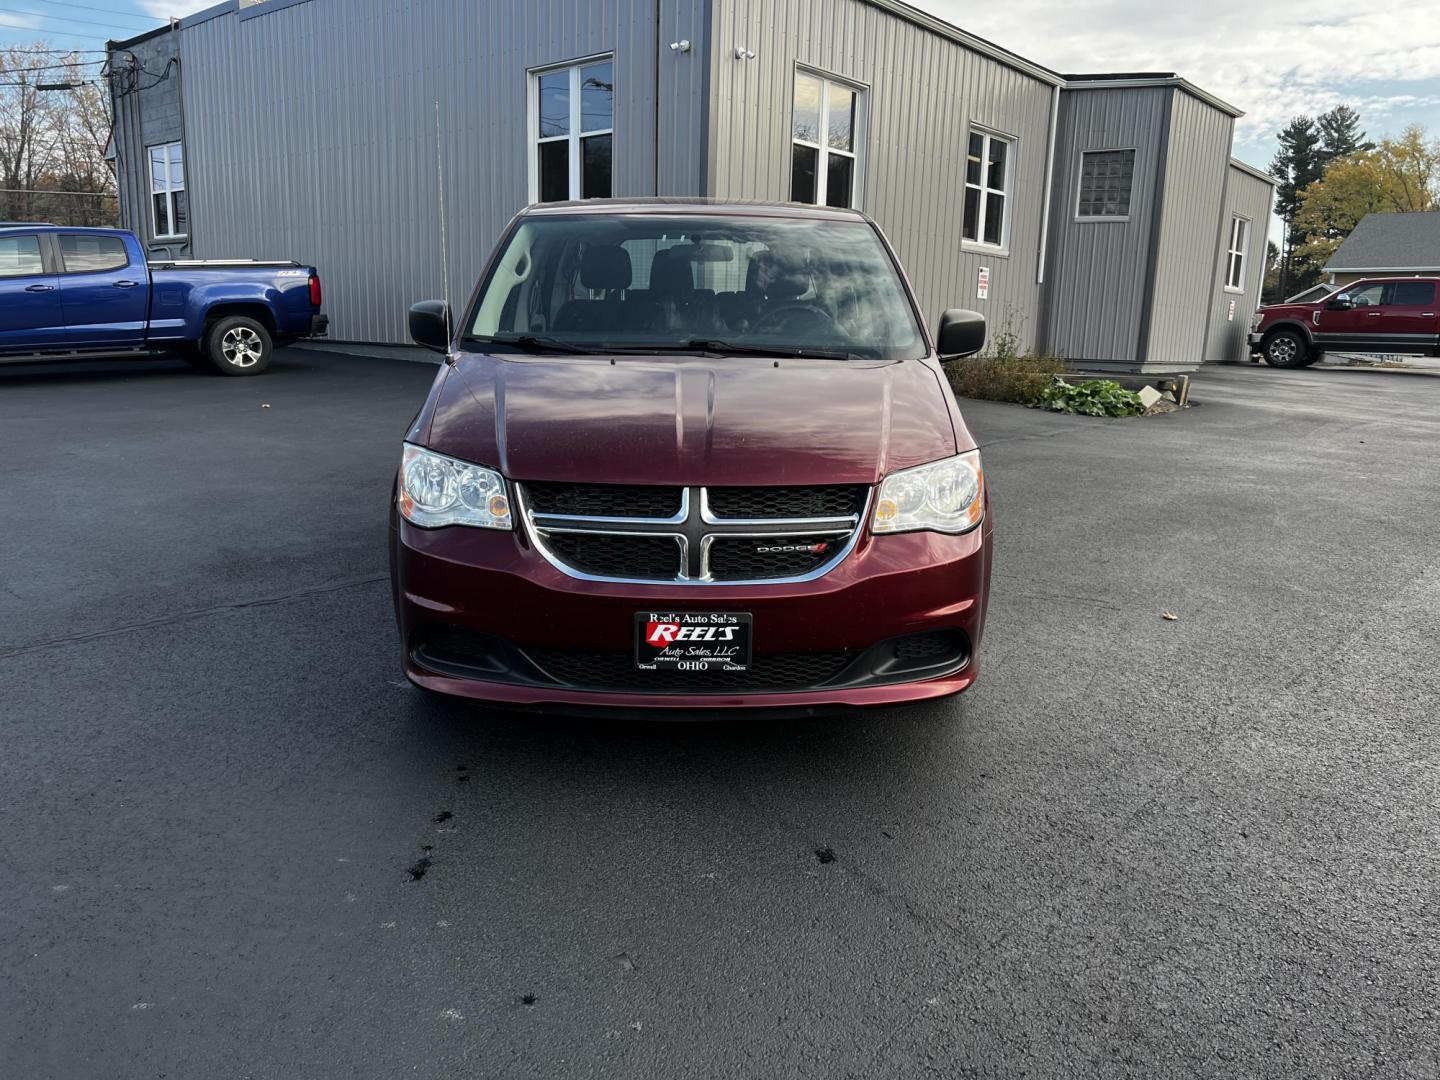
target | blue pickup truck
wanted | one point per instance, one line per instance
(71, 293)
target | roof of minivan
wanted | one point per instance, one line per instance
(651, 205)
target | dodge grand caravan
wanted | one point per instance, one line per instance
(691, 456)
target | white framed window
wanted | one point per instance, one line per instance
(171, 211)
(826, 133)
(572, 131)
(1235, 254)
(1106, 180)
(989, 165)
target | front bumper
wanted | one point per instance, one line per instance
(1253, 339)
(542, 635)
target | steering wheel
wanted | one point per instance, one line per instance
(796, 319)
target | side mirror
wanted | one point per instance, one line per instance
(1340, 303)
(430, 325)
(962, 333)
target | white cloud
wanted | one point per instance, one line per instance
(1272, 58)
(20, 22)
(165, 9)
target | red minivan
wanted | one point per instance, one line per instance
(691, 456)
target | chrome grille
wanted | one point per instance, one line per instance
(618, 532)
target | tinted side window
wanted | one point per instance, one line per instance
(1413, 294)
(85, 254)
(20, 256)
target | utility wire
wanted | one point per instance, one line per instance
(60, 66)
(47, 52)
(61, 18)
(47, 32)
(90, 7)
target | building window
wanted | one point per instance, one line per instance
(574, 131)
(1235, 256)
(825, 140)
(1106, 177)
(167, 191)
(987, 189)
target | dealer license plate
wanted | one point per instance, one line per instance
(692, 641)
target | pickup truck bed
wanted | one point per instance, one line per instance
(67, 293)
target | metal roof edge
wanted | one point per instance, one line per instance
(225, 7)
(1251, 170)
(120, 45)
(970, 41)
(1176, 81)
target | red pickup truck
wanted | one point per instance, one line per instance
(1375, 315)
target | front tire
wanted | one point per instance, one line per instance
(238, 345)
(1286, 349)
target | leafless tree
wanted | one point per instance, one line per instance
(52, 141)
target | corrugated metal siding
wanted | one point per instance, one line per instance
(923, 93)
(1250, 197)
(1199, 158)
(311, 133)
(1099, 271)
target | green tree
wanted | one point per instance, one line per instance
(1270, 289)
(1340, 134)
(1297, 165)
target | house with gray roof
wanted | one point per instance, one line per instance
(1398, 244)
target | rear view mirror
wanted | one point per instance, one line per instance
(711, 253)
(430, 325)
(962, 333)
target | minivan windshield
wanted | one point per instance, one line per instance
(681, 283)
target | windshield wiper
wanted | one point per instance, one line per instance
(741, 349)
(531, 343)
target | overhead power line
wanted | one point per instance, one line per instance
(50, 67)
(47, 32)
(48, 52)
(91, 7)
(59, 18)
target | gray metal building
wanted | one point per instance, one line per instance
(1093, 216)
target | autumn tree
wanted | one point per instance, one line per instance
(1398, 176)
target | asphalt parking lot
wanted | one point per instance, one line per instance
(1206, 847)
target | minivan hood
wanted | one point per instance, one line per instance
(693, 420)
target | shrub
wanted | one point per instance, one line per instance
(1099, 397)
(1004, 373)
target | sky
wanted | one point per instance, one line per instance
(1272, 58)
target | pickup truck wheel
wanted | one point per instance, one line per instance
(1286, 349)
(238, 345)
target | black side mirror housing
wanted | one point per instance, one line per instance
(1340, 303)
(430, 325)
(962, 333)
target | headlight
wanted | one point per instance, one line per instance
(437, 490)
(1255, 321)
(945, 496)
